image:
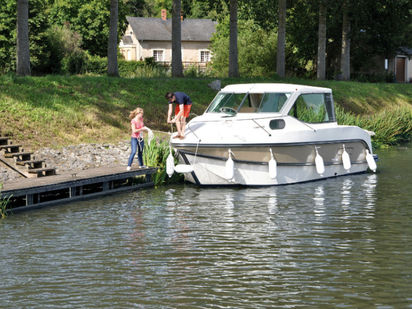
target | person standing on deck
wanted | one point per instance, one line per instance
(182, 111)
(137, 141)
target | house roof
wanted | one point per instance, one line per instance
(405, 51)
(157, 29)
(127, 40)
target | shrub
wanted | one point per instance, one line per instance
(391, 127)
(3, 205)
(155, 154)
(75, 63)
(97, 65)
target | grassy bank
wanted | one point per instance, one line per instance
(53, 111)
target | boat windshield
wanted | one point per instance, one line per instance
(232, 103)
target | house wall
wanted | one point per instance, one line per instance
(190, 50)
(140, 50)
(408, 67)
(128, 52)
(147, 48)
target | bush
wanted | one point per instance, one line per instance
(388, 77)
(75, 63)
(97, 65)
(128, 68)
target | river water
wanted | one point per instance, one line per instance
(344, 242)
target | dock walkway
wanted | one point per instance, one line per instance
(33, 193)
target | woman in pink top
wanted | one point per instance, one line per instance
(137, 142)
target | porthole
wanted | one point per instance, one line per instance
(277, 124)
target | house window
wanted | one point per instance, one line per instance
(158, 55)
(204, 56)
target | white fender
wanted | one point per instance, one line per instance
(183, 168)
(229, 167)
(320, 166)
(371, 161)
(346, 159)
(170, 164)
(272, 165)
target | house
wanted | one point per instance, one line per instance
(152, 37)
(401, 65)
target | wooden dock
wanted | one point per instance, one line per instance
(31, 193)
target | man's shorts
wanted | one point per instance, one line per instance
(186, 110)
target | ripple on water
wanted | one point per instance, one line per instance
(338, 243)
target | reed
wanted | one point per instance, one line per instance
(391, 126)
(155, 154)
(3, 204)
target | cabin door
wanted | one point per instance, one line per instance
(400, 69)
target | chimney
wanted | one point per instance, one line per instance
(164, 14)
(181, 17)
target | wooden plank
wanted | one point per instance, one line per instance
(10, 163)
(81, 197)
(85, 177)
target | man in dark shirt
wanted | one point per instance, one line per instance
(182, 111)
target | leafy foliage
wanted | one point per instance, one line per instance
(3, 204)
(155, 154)
(256, 48)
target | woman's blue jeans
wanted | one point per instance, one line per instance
(137, 146)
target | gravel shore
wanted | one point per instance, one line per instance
(74, 158)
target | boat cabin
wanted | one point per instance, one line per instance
(307, 104)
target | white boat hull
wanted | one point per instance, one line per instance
(271, 134)
(210, 171)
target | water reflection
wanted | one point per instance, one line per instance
(369, 187)
(342, 242)
(319, 199)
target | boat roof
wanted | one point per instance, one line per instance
(273, 87)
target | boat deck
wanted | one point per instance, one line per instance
(33, 193)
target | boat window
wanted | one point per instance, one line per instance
(251, 103)
(229, 101)
(273, 102)
(313, 108)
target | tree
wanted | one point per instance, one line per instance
(321, 64)
(280, 62)
(112, 67)
(345, 50)
(23, 45)
(177, 69)
(251, 37)
(233, 52)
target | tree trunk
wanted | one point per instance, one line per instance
(280, 59)
(345, 51)
(177, 69)
(233, 52)
(23, 44)
(321, 65)
(112, 66)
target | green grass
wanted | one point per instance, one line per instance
(53, 111)
(3, 204)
